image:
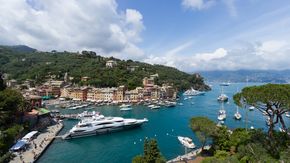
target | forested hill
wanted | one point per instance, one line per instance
(22, 65)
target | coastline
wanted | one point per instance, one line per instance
(38, 145)
(189, 156)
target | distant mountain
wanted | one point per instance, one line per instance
(267, 76)
(21, 48)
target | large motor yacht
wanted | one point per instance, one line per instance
(193, 92)
(100, 125)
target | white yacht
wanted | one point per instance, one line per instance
(251, 108)
(126, 109)
(170, 104)
(87, 114)
(101, 125)
(222, 114)
(186, 141)
(125, 105)
(223, 97)
(237, 115)
(225, 84)
(193, 92)
(155, 107)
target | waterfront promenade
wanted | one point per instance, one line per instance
(38, 145)
(189, 156)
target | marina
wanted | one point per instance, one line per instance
(164, 124)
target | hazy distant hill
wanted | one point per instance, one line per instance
(21, 48)
(22, 63)
(273, 76)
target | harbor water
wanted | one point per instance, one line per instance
(164, 124)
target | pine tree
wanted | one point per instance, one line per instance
(151, 153)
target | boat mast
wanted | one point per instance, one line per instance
(247, 80)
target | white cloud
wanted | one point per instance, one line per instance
(205, 4)
(197, 4)
(272, 54)
(72, 25)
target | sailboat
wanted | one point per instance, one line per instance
(237, 115)
(222, 113)
(222, 97)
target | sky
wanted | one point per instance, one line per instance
(191, 35)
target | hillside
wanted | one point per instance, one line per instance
(22, 65)
(266, 76)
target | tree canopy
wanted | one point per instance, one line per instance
(42, 65)
(271, 99)
(152, 153)
(2, 84)
(204, 128)
(11, 102)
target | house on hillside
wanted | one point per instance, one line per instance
(111, 63)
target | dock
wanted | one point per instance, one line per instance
(189, 156)
(69, 116)
(38, 145)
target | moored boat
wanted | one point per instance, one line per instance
(101, 125)
(237, 115)
(186, 141)
(193, 92)
(126, 109)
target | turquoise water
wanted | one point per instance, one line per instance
(164, 125)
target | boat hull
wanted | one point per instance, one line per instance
(101, 131)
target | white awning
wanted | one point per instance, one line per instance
(29, 135)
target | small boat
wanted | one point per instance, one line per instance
(155, 107)
(287, 114)
(223, 97)
(237, 115)
(150, 106)
(126, 109)
(252, 128)
(225, 84)
(186, 141)
(73, 108)
(185, 98)
(170, 104)
(87, 114)
(251, 108)
(125, 105)
(180, 104)
(222, 113)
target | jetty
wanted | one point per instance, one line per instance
(69, 116)
(189, 156)
(38, 145)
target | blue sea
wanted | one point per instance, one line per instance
(164, 125)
